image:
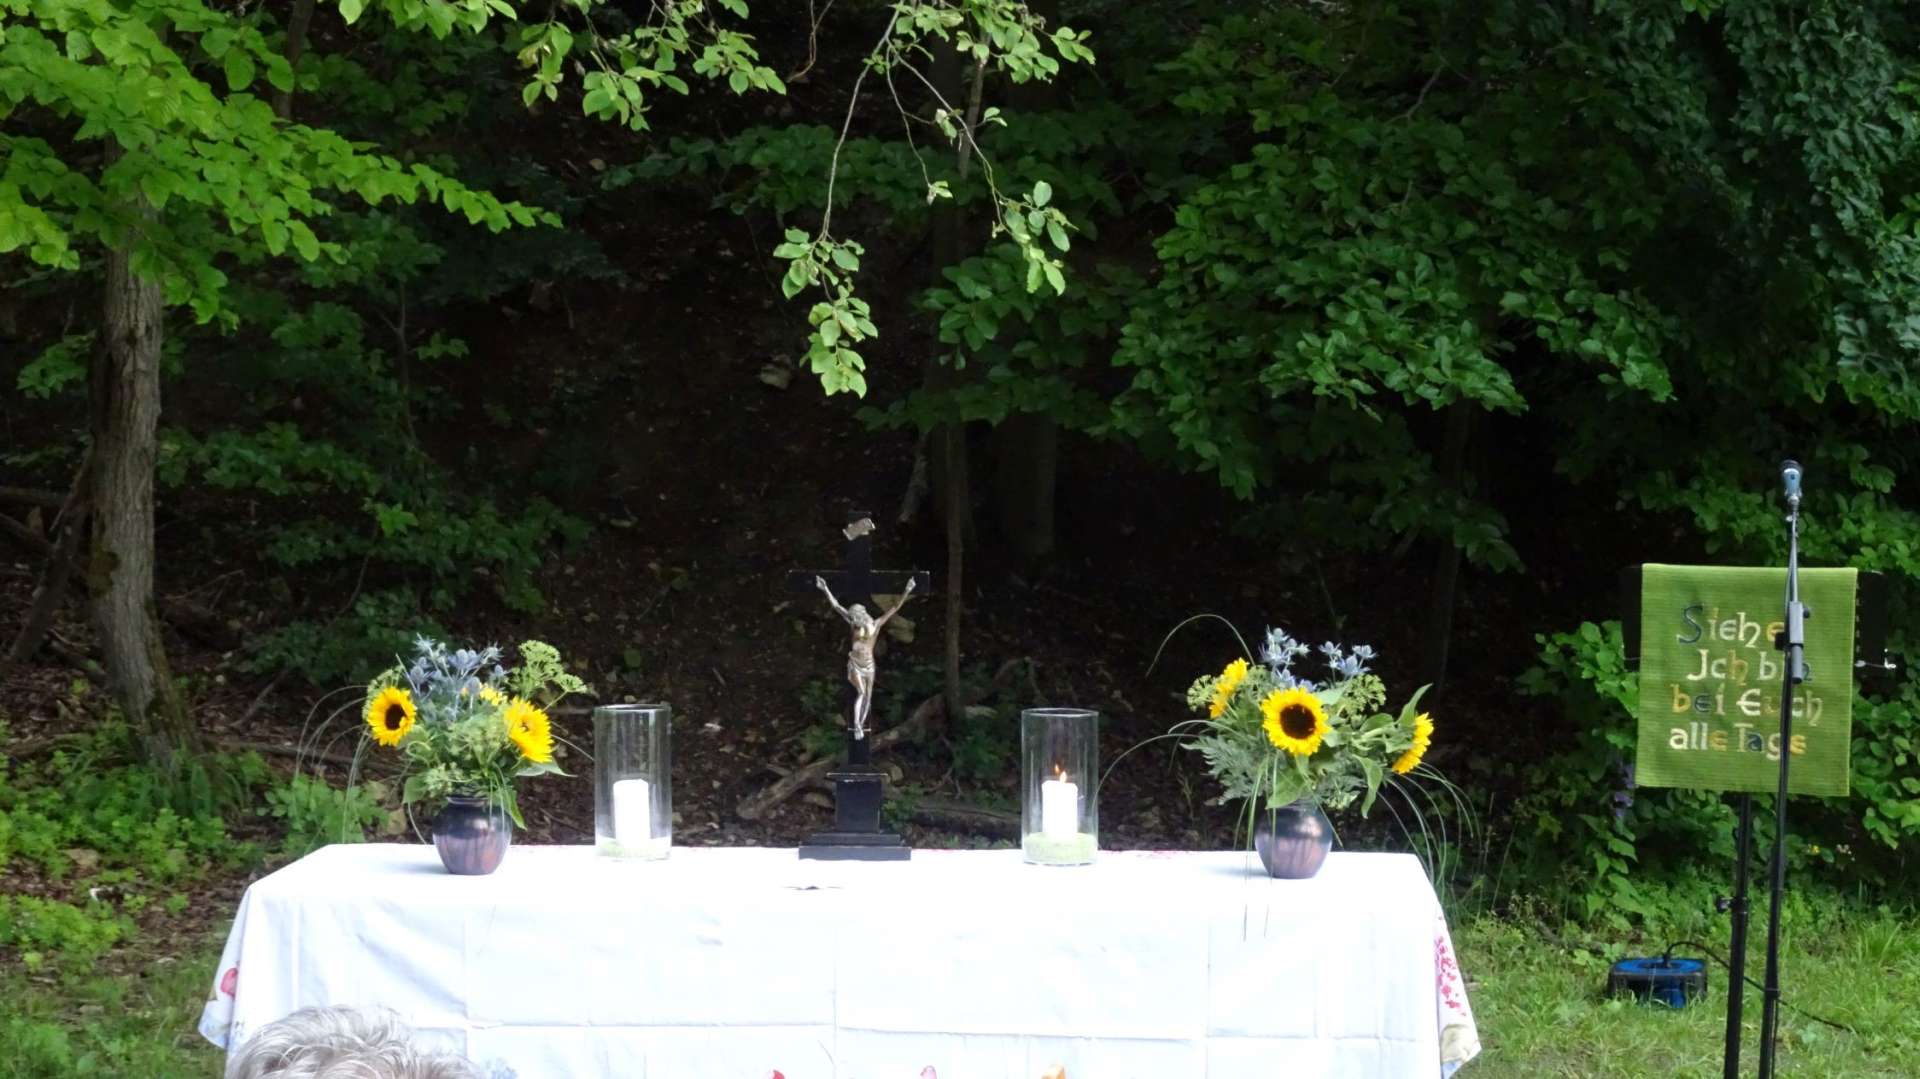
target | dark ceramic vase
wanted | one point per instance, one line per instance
(471, 835)
(1293, 840)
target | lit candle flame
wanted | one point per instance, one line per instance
(1059, 773)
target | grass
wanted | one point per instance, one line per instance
(138, 1022)
(113, 986)
(1536, 995)
(117, 892)
(1539, 1003)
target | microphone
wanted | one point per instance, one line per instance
(1790, 477)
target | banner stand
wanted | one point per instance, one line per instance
(1870, 640)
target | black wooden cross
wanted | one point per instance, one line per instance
(858, 582)
(858, 787)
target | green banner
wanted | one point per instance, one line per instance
(1710, 680)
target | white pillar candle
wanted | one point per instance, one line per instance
(632, 811)
(1059, 808)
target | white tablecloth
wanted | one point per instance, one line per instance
(732, 962)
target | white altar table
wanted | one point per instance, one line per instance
(736, 962)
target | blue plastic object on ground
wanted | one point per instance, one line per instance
(1667, 980)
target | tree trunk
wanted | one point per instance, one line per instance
(948, 446)
(956, 441)
(298, 22)
(1026, 444)
(1025, 454)
(125, 391)
(1446, 569)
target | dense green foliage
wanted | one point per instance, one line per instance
(108, 831)
(101, 865)
(1400, 274)
(1406, 263)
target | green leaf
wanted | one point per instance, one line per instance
(156, 186)
(239, 68)
(304, 241)
(1042, 192)
(350, 9)
(1408, 710)
(1374, 776)
(415, 788)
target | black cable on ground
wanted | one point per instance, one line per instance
(1715, 956)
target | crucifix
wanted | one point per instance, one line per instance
(858, 787)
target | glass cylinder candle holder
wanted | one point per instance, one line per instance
(1060, 768)
(633, 780)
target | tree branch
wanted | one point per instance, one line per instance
(27, 538)
(833, 164)
(297, 24)
(31, 496)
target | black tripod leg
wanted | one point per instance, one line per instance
(1737, 948)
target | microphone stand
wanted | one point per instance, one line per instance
(1792, 642)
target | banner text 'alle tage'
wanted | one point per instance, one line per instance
(1721, 666)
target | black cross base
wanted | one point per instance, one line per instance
(859, 788)
(856, 834)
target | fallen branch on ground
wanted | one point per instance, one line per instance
(962, 817)
(28, 748)
(54, 574)
(943, 814)
(74, 657)
(275, 749)
(756, 805)
(29, 540)
(29, 496)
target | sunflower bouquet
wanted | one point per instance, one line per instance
(467, 724)
(1274, 738)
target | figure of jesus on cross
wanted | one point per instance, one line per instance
(866, 628)
(852, 590)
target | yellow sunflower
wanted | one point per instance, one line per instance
(1295, 720)
(1230, 680)
(530, 729)
(390, 715)
(1422, 738)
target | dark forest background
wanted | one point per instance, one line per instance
(1398, 323)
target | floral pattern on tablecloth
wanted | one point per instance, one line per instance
(216, 1017)
(1459, 1039)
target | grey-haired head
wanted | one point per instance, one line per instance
(343, 1043)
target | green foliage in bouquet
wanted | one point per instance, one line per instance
(467, 724)
(1273, 738)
